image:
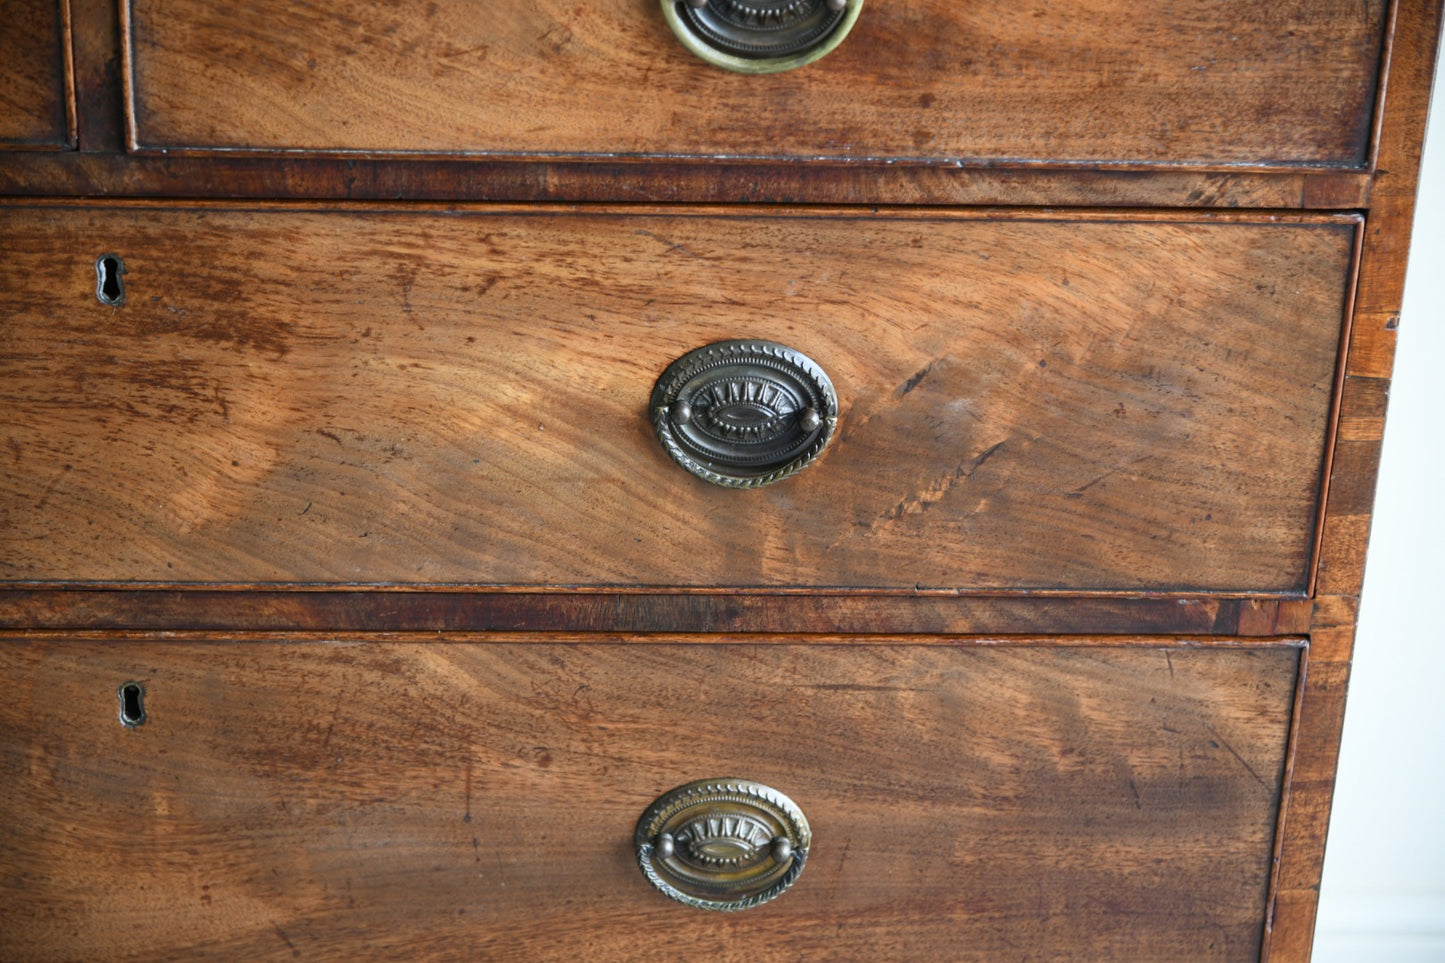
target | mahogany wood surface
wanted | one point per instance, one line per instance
(478, 801)
(362, 179)
(1091, 104)
(1213, 82)
(1412, 54)
(1055, 402)
(36, 95)
(96, 48)
(373, 612)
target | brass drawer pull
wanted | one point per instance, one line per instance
(761, 36)
(722, 844)
(743, 414)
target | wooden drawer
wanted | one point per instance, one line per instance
(1028, 401)
(1223, 82)
(36, 92)
(477, 800)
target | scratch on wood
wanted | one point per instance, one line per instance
(1078, 492)
(671, 245)
(916, 504)
(50, 488)
(1219, 742)
(916, 380)
(467, 817)
(285, 939)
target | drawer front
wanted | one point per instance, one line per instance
(479, 800)
(1209, 82)
(35, 98)
(373, 396)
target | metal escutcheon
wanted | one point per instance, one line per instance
(761, 36)
(743, 414)
(723, 844)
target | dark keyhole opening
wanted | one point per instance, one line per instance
(109, 288)
(132, 704)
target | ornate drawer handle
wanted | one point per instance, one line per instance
(761, 36)
(743, 414)
(722, 844)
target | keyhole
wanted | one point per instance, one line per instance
(109, 288)
(132, 704)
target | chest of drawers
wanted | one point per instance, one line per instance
(356, 602)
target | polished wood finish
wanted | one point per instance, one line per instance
(966, 800)
(295, 397)
(37, 106)
(370, 179)
(271, 610)
(1315, 106)
(1098, 81)
(1412, 55)
(95, 30)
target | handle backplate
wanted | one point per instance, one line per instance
(743, 414)
(761, 36)
(722, 844)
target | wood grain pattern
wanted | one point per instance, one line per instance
(36, 99)
(973, 802)
(1412, 53)
(370, 611)
(99, 92)
(1304, 822)
(197, 415)
(388, 396)
(230, 176)
(1222, 82)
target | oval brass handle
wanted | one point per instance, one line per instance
(743, 414)
(722, 844)
(761, 36)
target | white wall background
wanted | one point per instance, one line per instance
(1383, 896)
